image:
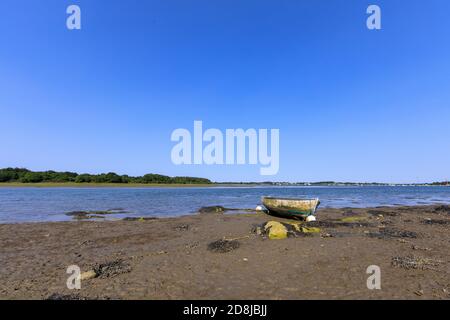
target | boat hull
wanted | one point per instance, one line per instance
(291, 208)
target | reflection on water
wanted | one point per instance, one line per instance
(51, 204)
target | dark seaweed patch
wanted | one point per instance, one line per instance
(387, 233)
(182, 227)
(74, 296)
(59, 296)
(111, 269)
(383, 213)
(83, 215)
(322, 224)
(337, 224)
(340, 235)
(139, 218)
(412, 262)
(443, 209)
(435, 222)
(223, 246)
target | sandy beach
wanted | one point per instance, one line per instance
(175, 258)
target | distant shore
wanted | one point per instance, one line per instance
(101, 185)
(22, 177)
(122, 185)
(181, 258)
(190, 185)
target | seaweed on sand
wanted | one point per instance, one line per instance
(383, 213)
(349, 213)
(182, 227)
(388, 233)
(83, 215)
(337, 224)
(220, 209)
(413, 262)
(442, 209)
(435, 222)
(111, 269)
(72, 296)
(339, 235)
(223, 246)
(139, 218)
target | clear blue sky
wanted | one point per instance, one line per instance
(351, 104)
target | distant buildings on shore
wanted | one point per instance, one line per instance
(337, 184)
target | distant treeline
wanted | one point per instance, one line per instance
(27, 176)
(444, 183)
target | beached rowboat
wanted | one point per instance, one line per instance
(291, 208)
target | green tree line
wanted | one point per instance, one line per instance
(444, 183)
(28, 176)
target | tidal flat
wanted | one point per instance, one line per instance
(214, 255)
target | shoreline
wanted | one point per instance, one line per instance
(175, 258)
(106, 216)
(110, 217)
(209, 185)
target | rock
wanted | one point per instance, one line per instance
(276, 230)
(88, 275)
(418, 293)
(98, 214)
(212, 209)
(310, 230)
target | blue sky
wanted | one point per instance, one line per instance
(351, 104)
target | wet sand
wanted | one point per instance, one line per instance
(172, 258)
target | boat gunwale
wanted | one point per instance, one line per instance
(290, 199)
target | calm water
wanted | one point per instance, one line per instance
(51, 204)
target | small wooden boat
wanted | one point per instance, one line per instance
(291, 208)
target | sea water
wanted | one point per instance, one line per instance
(52, 204)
